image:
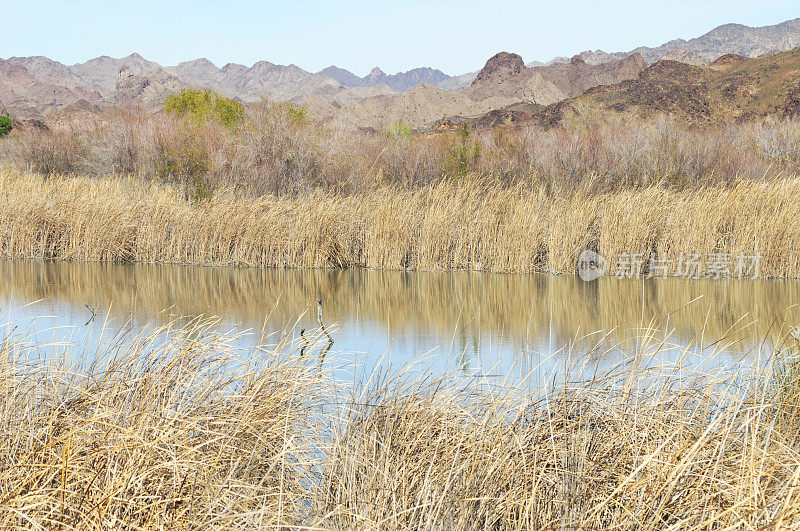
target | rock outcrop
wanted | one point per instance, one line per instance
(145, 91)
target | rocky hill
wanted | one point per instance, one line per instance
(101, 73)
(419, 107)
(730, 38)
(26, 97)
(505, 80)
(732, 88)
(577, 76)
(36, 87)
(276, 82)
(144, 91)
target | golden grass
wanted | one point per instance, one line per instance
(167, 430)
(463, 225)
(589, 458)
(163, 431)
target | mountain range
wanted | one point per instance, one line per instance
(732, 88)
(729, 38)
(504, 81)
(401, 81)
(41, 88)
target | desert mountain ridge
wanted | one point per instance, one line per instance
(733, 88)
(504, 80)
(401, 82)
(38, 87)
(736, 39)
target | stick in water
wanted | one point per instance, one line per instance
(325, 350)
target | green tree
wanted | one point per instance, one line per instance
(5, 125)
(297, 113)
(400, 130)
(202, 106)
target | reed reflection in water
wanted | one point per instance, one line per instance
(461, 319)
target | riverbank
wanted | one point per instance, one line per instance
(463, 225)
(167, 430)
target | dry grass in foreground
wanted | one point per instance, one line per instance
(169, 432)
(165, 432)
(466, 224)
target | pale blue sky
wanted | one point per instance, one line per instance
(454, 36)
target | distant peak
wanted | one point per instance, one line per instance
(731, 26)
(502, 64)
(375, 72)
(233, 66)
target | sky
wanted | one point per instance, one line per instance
(456, 36)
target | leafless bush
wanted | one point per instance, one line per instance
(282, 152)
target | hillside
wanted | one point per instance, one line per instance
(147, 91)
(577, 76)
(419, 107)
(729, 38)
(505, 80)
(732, 88)
(36, 86)
(265, 79)
(25, 97)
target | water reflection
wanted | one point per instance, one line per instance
(479, 322)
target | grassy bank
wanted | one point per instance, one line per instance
(167, 430)
(454, 225)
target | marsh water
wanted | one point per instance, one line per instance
(493, 325)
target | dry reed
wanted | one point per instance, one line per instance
(163, 430)
(168, 430)
(590, 456)
(466, 225)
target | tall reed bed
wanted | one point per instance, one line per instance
(465, 225)
(182, 429)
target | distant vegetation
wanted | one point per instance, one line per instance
(400, 130)
(5, 125)
(202, 106)
(279, 149)
(298, 113)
